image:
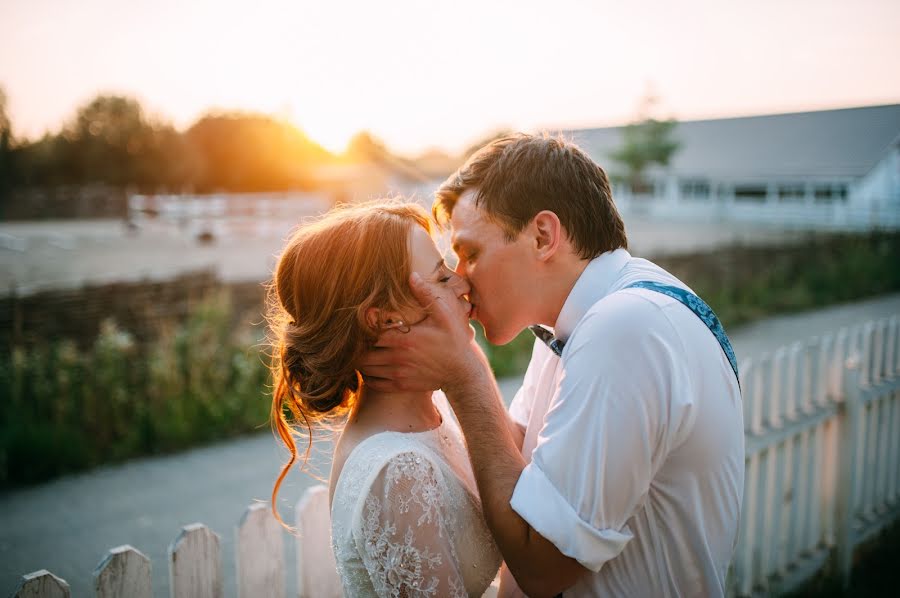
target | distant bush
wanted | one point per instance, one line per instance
(67, 410)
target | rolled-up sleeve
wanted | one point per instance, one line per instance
(604, 435)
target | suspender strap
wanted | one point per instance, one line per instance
(700, 309)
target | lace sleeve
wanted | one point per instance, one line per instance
(408, 550)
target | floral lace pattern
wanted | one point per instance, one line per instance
(406, 521)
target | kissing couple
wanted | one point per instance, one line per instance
(618, 468)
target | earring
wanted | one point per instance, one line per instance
(400, 325)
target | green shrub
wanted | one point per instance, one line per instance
(68, 410)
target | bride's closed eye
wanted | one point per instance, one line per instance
(445, 275)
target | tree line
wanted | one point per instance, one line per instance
(112, 140)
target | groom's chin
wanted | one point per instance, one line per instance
(498, 337)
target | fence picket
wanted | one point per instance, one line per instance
(895, 346)
(847, 488)
(747, 534)
(820, 381)
(836, 364)
(891, 447)
(797, 521)
(195, 569)
(259, 554)
(760, 391)
(316, 569)
(42, 584)
(817, 496)
(747, 375)
(874, 354)
(124, 571)
(776, 387)
(883, 477)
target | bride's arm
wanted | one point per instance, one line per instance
(404, 533)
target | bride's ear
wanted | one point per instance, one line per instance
(381, 319)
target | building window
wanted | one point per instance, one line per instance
(840, 192)
(695, 189)
(791, 192)
(823, 194)
(750, 193)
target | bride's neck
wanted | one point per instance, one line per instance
(398, 411)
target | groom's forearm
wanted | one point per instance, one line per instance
(497, 462)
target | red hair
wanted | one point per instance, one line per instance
(330, 273)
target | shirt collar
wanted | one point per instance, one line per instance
(593, 285)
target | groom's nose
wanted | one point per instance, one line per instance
(463, 286)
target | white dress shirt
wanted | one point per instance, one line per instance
(634, 439)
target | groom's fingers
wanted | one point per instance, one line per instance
(386, 372)
(426, 297)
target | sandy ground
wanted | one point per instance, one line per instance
(66, 526)
(66, 254)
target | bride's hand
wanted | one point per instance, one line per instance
(433, 353)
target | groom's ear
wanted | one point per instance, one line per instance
(547, 231)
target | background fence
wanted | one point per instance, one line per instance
(822, 476)
(822, 455)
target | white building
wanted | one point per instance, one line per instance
(831, 169)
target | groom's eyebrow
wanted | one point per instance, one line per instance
(438, 266)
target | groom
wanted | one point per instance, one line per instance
(618, 469)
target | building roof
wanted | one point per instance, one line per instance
(829, 143)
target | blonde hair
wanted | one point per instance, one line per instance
(330, 273)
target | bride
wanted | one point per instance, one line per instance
(406, 519)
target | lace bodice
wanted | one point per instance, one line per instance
(406, 519)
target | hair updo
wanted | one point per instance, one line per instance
(330, 273)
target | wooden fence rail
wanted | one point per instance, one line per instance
(822, 435)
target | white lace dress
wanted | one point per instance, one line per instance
(406, 519)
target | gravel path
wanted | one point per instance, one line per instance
(67, 525)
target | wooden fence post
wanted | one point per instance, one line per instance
(124, 571)
(42, 584)
(847, 494)
(195, 570)
(259, 554)
(316, 568)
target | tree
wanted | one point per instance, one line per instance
(250, 152)
(645, 142)
(6, 149)
(104, 141)
(366, 147)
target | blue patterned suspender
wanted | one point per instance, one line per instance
(686, 298)
(701, 310)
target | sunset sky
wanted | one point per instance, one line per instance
(424, 74)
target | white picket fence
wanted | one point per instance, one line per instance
(822, 431)
(195, 560)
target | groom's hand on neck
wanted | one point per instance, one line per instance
(436, 352)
